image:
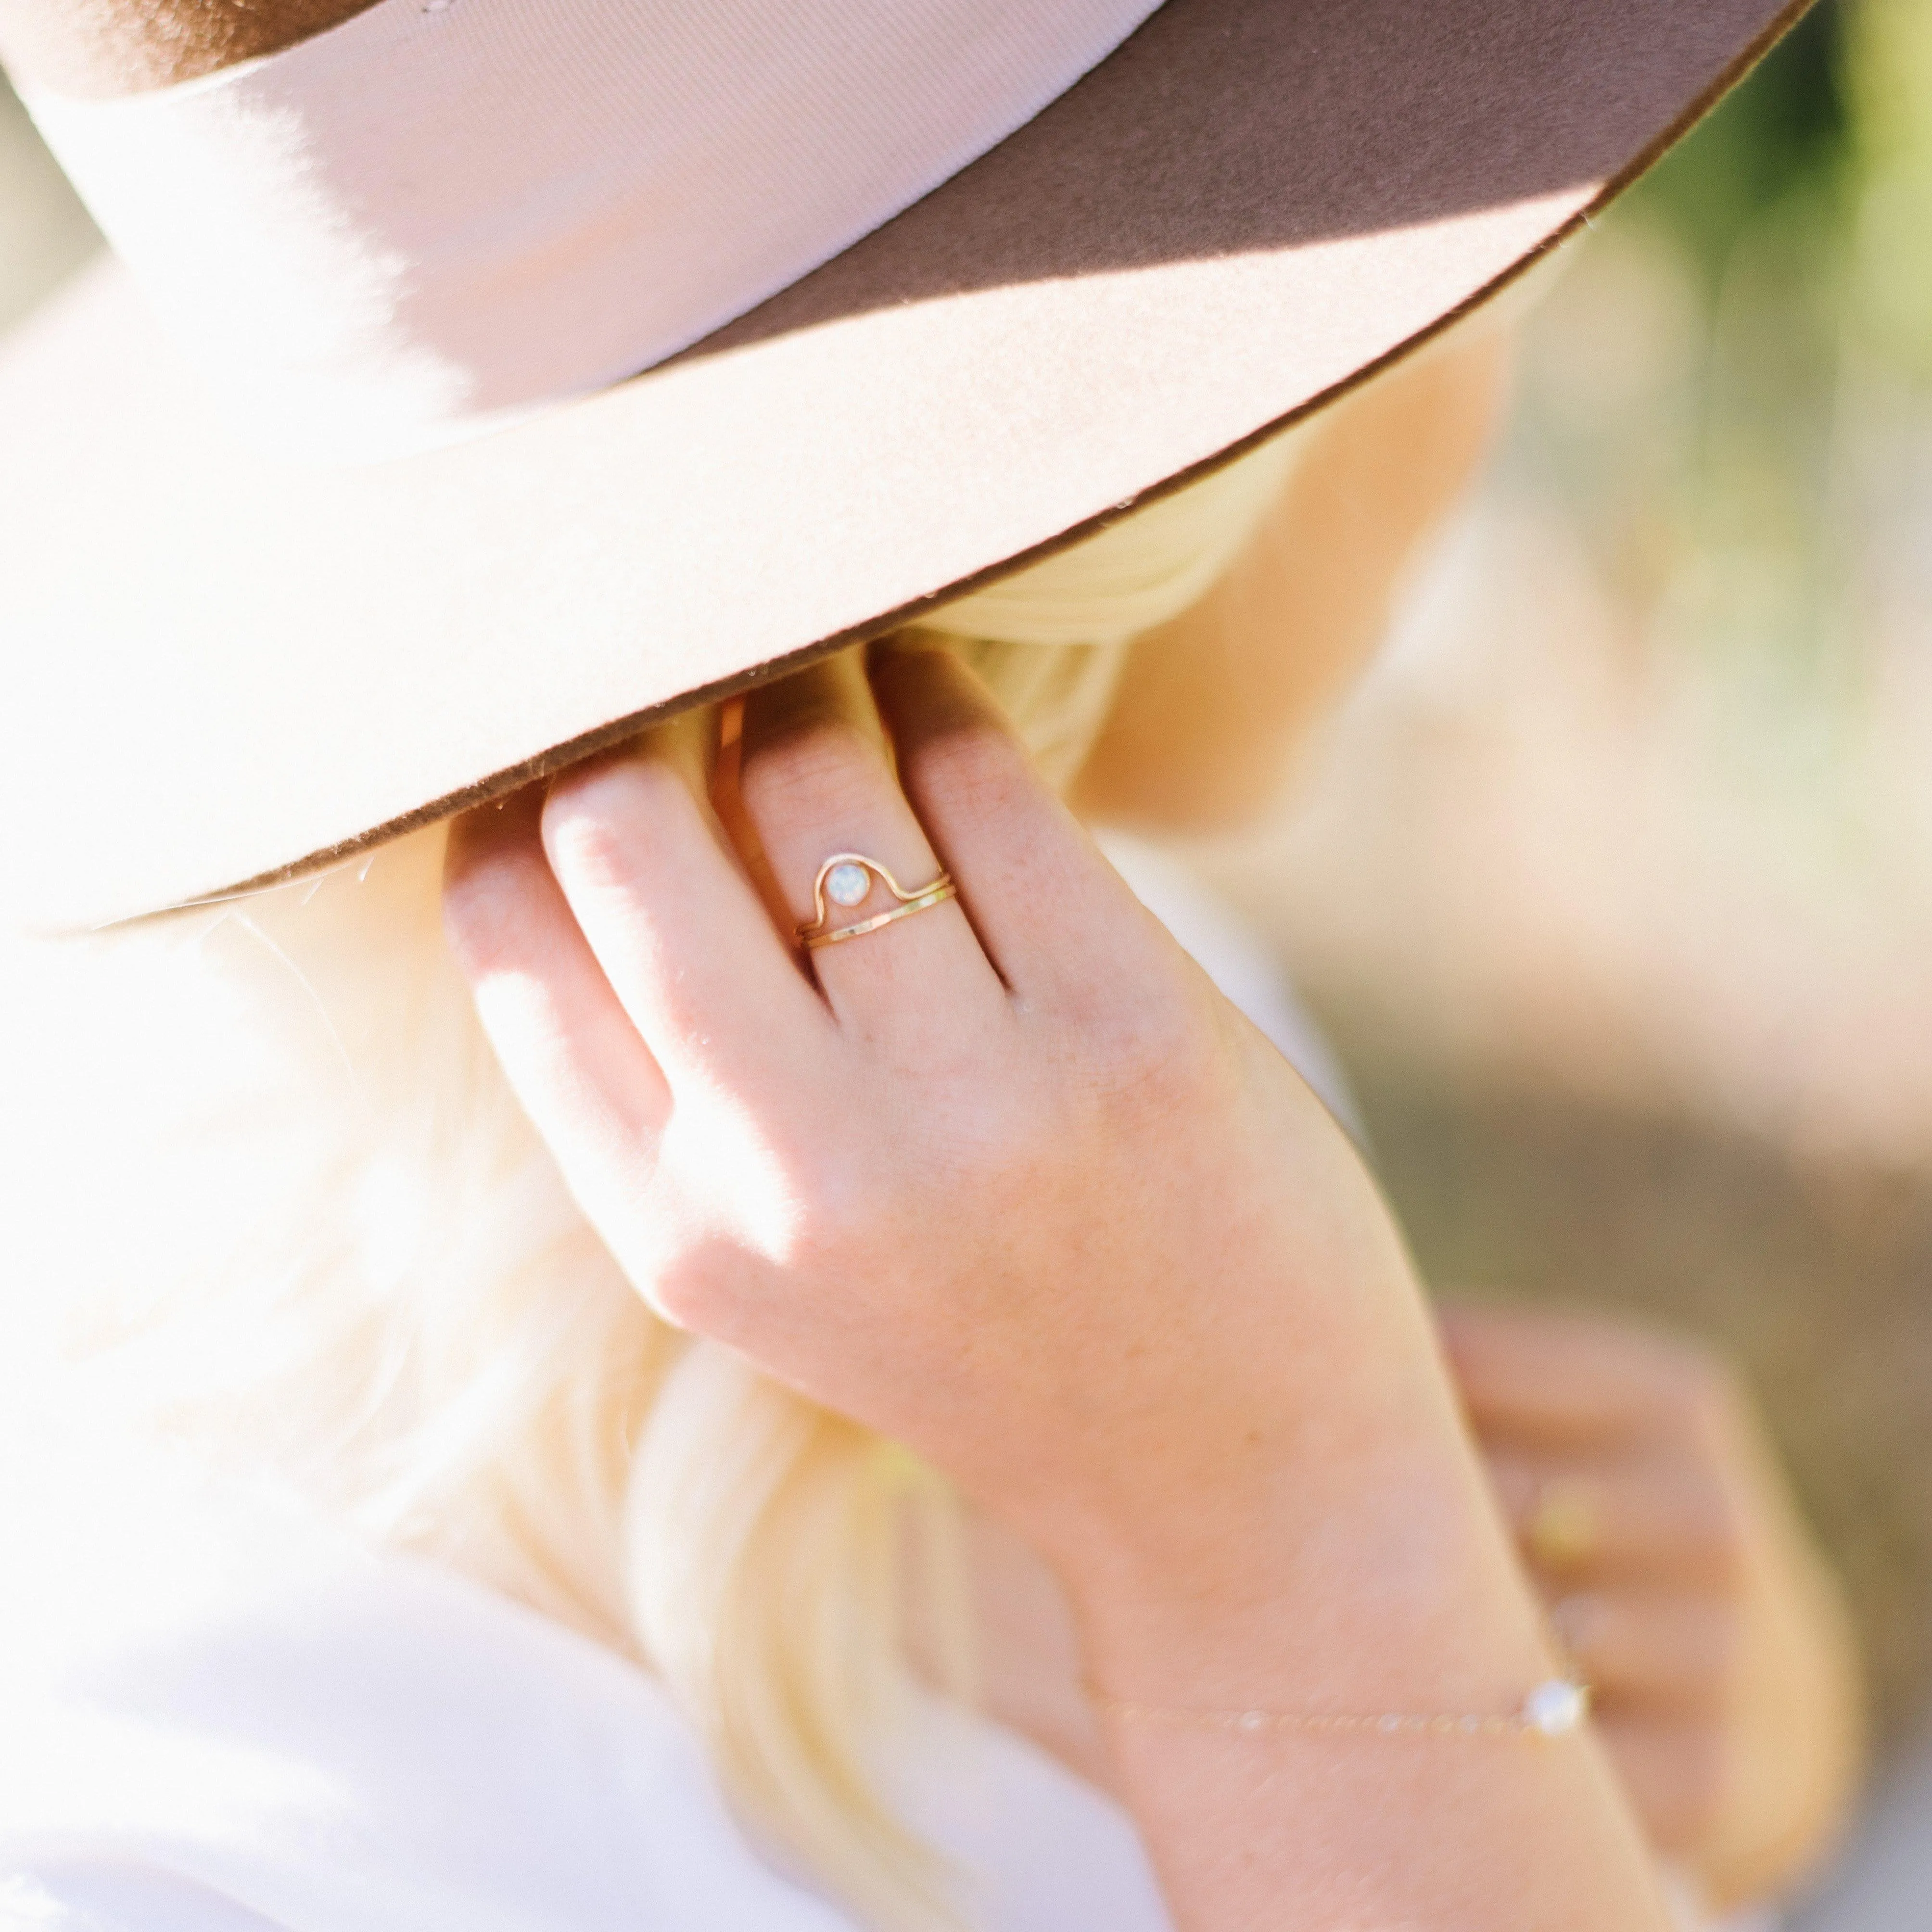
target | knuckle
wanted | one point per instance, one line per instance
(694, 1270)
(970, 762)
(486, 902)
(1160, 1053)
(804, 1202)
(836, 1220)
(825, 767)
(592, 817)
(691, 1289)
(588, 851)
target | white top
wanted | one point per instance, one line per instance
(289, 1732)
(218, 1715)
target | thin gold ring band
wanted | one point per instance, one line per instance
(816, 931)
(937, 894)
(1564, 1530)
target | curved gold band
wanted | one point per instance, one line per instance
(815, 932)
(936, 894)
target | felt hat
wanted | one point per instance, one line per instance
(427, 437)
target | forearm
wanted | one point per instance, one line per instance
(1378, 1587)
(1214, 704)
(1070, 1230)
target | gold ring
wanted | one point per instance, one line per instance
(846, 879)
(1564, 1531)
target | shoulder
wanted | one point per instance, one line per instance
(217, 1716)
(85, 1896)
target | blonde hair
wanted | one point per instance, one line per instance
(338, 1248)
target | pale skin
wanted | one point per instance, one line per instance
(1730, 1706)
(1727, 1682)
(1028, 1195)
(1730, 1693)
(1724, 1678)
(1240, 1472)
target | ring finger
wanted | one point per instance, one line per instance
(816, 781)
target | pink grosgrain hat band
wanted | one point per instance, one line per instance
(430, 218)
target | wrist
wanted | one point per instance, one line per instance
(1374, 1582)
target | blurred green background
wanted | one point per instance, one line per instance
(1614, 882)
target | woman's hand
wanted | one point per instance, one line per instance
(1680, 1579)
(1008, 1181)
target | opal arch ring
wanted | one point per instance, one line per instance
(845, 880)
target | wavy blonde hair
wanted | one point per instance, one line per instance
(338, 1250)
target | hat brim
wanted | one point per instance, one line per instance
(227, 672)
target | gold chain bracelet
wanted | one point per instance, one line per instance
(1552, 1710)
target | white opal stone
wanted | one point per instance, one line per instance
(847, 885)
(1555, 1708)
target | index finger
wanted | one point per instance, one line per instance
(678, 930)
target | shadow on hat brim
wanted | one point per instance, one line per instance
(228, 672)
